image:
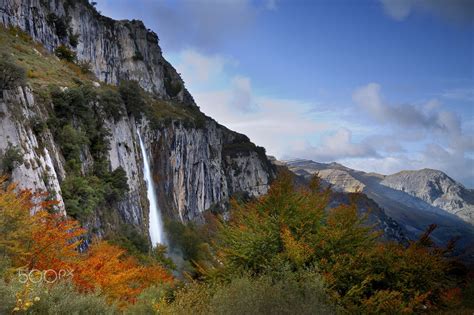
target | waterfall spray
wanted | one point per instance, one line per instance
(155, 222)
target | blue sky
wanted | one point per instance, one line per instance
(378, 85)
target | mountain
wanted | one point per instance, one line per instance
(414, 199)
(435, 188)
(73, 125)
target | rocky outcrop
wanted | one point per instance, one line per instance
(341, 180)
(435, 188)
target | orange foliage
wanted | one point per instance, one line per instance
(55, 240)
(119, 276)
(49, 241)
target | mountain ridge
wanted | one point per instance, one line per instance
(412, 213)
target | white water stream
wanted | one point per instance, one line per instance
(155, 222)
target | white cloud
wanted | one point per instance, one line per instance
(429, 116)
(271, 122)
(336, 146)
(397, 9)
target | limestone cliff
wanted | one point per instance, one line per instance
(197, 163)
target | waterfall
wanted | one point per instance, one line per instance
(155, 222)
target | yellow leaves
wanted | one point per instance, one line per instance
(24, 301)
(297, 251)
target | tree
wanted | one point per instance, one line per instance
(15, 224)
(117, 275)
(279, 228)
(55, 240)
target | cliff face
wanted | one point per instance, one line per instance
(116, 50)
(196, 166)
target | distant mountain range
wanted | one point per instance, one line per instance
(414, 199)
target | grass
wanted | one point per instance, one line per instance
(42, 67)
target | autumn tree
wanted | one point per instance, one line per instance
(292, 228)
(33, 238)
(118, 276)
(15, 224)
(277, 229)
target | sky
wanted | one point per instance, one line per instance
(377, 85)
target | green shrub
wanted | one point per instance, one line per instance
(148, 299)
(131, 239)
(11, 75)
(118, 185)
(131, 94)
(63, 52)
(302, 293)
(73, 39)
(82, 195)
(60, 298)
(112, 104)
(60, 24)
(71, 141)
(10, 159)
(293, 293)
(38, 125)
(85, 66)
(173, 87)
(186, 238)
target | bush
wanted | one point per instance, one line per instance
(60, 298)
(11, 75)
(186, 238)
(302, 293)
(112, 104)
(63, 52)
(61, 24)
(82, 195)
(85, 66)
(11, 159)
(118, 184)
(131, 94)
(73, 40)
(71, 141)
(38, 125)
